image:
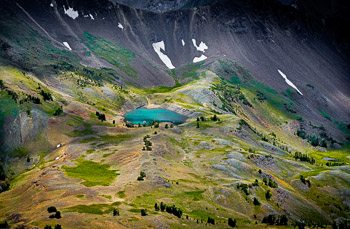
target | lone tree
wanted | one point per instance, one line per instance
(162, 206)
(232, 222)
(143, 212)
(256, 202)
(156, 206)
(115, 212)
(268, 195)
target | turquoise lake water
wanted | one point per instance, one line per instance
(139, 115)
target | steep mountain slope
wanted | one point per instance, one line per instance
(265, 92)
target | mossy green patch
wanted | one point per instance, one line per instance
(195, 195)
(107, 197)
(97, 209)
(327, 116)
(109, 139)
(114, 53)
(94, 174)
(90, 151)
(162, 89)
(121, 194)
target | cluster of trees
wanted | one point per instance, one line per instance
(57, 226)
(156, 124)
(129, 125)
(101, 116)
(46, 95)
(214, 118)
(169, 209)
(270, 183)
(244, 188)
(167, 126)
(96, 76)
(335, 163)
(30, 98)
(313, 139)
(142, 176)
(147, 143)
(275, 220)
(178, 212)
(260, 96)
(201, 118)
(15, 96)
(57, 214)
(304, 157)
(58, 112)
(174, 210)
(211, 220)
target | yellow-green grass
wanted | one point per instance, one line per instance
(97, 209)
(339, 154)
(94, 174)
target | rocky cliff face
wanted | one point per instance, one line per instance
(23, 128)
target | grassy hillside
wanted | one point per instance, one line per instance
(238, 157)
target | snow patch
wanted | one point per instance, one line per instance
(58, 146)
(290, 83)
(183, 42)
(202, 46)
(71, 12)
(120, 26)
(198, 59)
(67, 45)
(166, 60)
(57, 158)
(91, 17)
(51, 4)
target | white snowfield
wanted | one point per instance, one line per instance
(67, 45)
(71, 12)
(166, 60)
(120, 26)
(202, 46)
(198, 59)
(290, 83)
(183, 42)
(51, 4)
(92, 17)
